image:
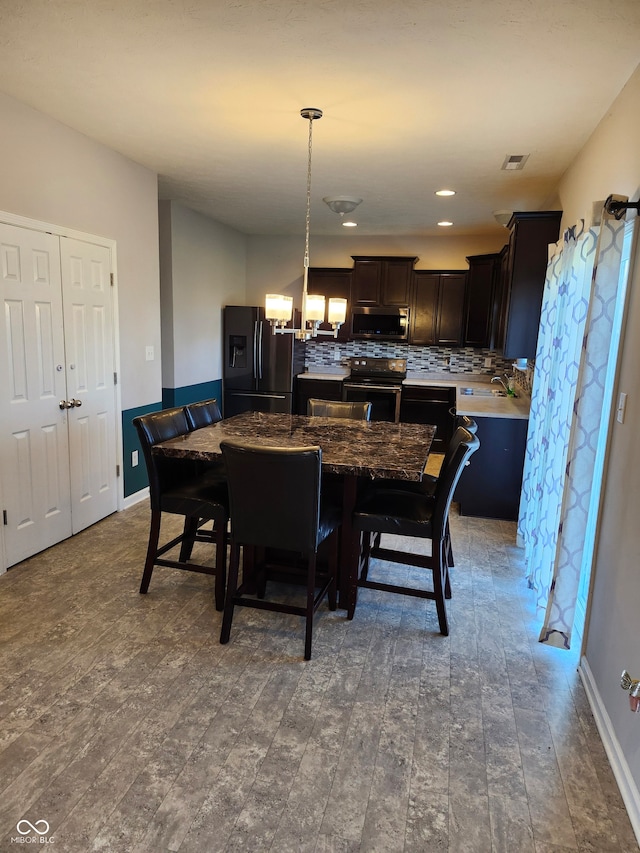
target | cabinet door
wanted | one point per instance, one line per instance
(332, 281)
(321, 389)
(479, 300)
(424, 305)
(450, 309)
(395, 282)
(365, 288)
(528, 249)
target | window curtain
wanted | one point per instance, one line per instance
(571, 401)
(565, 305)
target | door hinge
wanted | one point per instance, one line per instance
(115, 378)
(117, 470)
(4, 517)
(111, 277)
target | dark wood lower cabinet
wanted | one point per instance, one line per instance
(322, 389)
(491, 484)
(430, 405)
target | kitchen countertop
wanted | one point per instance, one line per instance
(466, 404)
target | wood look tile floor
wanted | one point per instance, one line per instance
(128, 728)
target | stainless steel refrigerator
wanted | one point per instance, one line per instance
(258, 366)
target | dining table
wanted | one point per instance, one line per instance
(355, 450)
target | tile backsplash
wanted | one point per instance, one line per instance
(325, 354)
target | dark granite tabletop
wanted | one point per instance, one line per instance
(363, 448)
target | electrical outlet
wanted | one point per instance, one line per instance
(134, 458)
(488, 361)
(622, 407)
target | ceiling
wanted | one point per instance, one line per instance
(416, 95)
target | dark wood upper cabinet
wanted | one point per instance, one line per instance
(336, 282)
(437, 308)
(449, 323)
(380, 281)
(531, 234)
(482, 278)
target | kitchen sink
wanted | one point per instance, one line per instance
(482, 392)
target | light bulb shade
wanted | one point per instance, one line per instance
(314, 308)
(278, 307)
(342, 203)
(502, 217)
(337, 311)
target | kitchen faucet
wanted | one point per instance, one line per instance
(506, 385)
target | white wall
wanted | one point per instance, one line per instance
(52, 173)
(207, 271)
(610, 163)
(275, 263)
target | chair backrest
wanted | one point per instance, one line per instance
(338, 409)
(456, 438)
(274, 495)
(464, 445)
(163, 473)
(203, 414)
(468, 423)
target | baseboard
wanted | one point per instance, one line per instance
(135, 498)
(621, 771)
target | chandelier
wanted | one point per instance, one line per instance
(279, 308)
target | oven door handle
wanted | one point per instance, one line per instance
(395, 389)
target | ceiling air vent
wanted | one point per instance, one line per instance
(514, 161)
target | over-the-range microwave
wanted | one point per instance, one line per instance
(391, 324)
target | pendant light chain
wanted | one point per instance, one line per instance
(308, 216)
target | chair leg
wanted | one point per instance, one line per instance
(311, 593)
(447, 538)
(232, 586)
(188, 538)
(221, 564)
(152, 548)
(332, 592)
(439, 570)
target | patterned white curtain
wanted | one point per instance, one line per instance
(565, 307)
(573, 384)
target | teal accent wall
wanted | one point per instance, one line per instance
(134, 478)
(192, 394)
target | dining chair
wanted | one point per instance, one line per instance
(338, 409)
(417, 516)
(276, 503)
(176, 486)
(427, 485)
(202, 414)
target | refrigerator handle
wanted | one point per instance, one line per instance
(260, 353)
(255, 349)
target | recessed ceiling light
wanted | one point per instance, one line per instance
(445, 223)
(445, 192)
(350, 224)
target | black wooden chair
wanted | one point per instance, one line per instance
(202, 414)
(338, 409)
(275, 502)
(176, 486)
(427, 485)
(416, 515)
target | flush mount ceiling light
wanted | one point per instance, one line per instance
(502, 217)
(279, 308)
(445, 192)
(342, 203)
(349, 224)
(445, 223)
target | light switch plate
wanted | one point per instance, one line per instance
(622, 407)
(150, 354)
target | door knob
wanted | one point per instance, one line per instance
(76, 403)
(66, 404)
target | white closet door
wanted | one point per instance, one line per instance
(34, 453)
(90, 364)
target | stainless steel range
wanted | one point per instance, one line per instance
(379, 381)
